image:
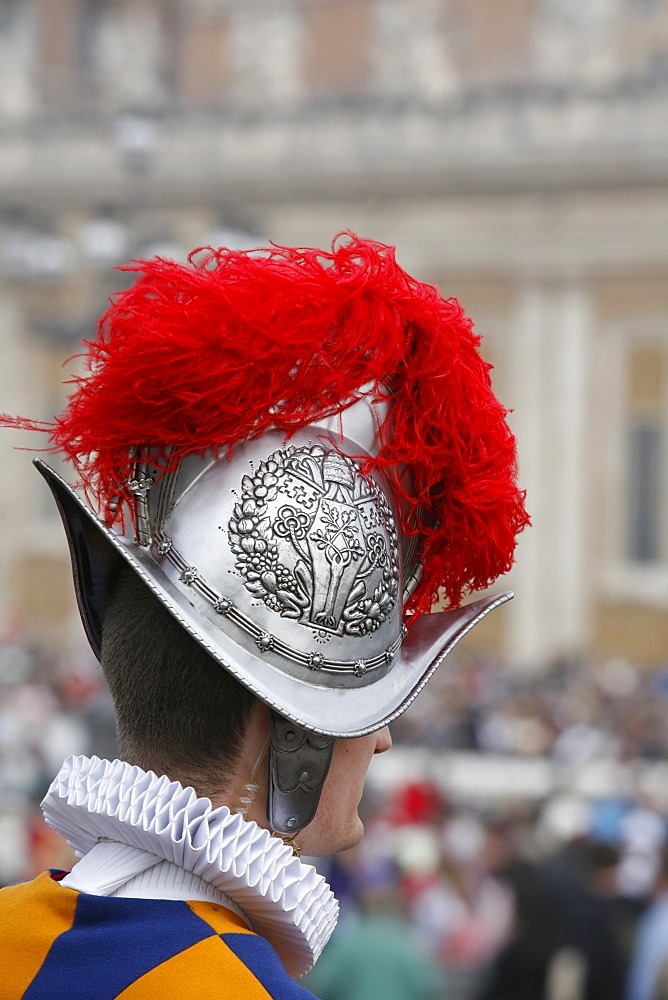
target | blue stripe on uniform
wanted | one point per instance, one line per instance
(112, 942)
(258, 955)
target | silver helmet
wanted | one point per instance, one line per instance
(293, 551)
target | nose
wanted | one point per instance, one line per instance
(383, 740)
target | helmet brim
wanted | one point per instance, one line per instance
(98, 553)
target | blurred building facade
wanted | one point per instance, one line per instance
(515, 153)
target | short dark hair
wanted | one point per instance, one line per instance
(178, 712)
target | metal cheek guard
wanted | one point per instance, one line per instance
(298, 765)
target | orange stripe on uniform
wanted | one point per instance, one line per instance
(203, 970)
(32, 915)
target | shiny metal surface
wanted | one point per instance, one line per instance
(286, 564)
(293, 553)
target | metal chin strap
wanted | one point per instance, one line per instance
(298, 765)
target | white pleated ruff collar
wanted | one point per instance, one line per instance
(130, 820)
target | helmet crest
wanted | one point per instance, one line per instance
(198, 357)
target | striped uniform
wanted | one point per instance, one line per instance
(60, 944)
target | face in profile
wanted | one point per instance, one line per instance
(336, 825)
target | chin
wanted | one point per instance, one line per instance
(355, 838)
(349, 838)
(321, 844)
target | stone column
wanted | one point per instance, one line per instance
(17, 479)
(550, 347)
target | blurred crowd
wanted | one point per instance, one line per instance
(536, 869)
(573, 710)
(52, 703)
(515, 842)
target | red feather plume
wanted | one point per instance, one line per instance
(201, 355)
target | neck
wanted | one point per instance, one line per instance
(92, 802)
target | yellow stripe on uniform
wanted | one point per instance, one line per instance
(194, 973)
(34, 913)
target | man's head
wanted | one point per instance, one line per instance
(179, 714)
(309, 451)
(176, 713)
